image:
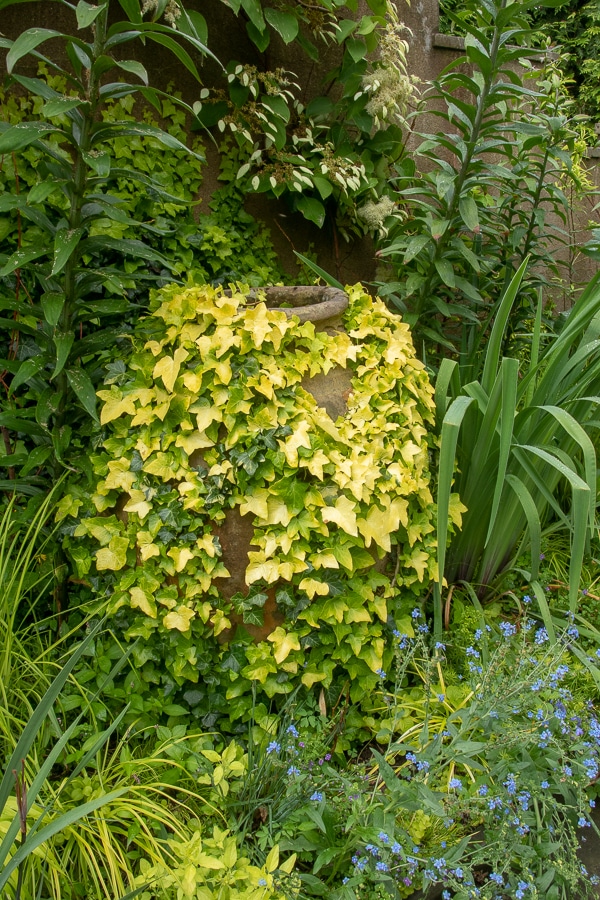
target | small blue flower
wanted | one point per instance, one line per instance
(383, 837)
(478, 634)
(382, 867)
(273, 747)
(508, 629)
(262, 882)
(583, 822)
(293, 770)
(416, 613)
(527, 598)
(541, 636)
(291, 729)
(471, 651)
(441, 697)
(317, 796)
(483, 790)
(396, 848)
(440, 646)
(381, 673)
(455, 783)
(510, 784)
(545, 784)
(496, 878)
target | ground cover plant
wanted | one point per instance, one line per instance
(386, 730)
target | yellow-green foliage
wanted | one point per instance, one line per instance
(214, 375)
(209, 868)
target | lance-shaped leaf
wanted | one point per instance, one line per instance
(84, 389)
(65, 243)
(87, 13)
(26, 42)
(22, 135)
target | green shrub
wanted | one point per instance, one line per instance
(210, 376)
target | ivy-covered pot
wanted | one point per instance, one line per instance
(240, 505)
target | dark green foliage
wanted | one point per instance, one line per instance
(484, 191)
(84, 232)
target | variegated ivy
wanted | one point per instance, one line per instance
(214, 376)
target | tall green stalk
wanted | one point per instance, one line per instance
(65, 273)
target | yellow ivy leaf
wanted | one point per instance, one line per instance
(456, 509)
(220, 622)
(326, 559)
(256, 326)
(179, 619)
(357, 614)
(418, 560)
(260, 567)
(299, 438)
(143, 600)
(192, 381)
(168, 368)
(284, 642)
(380, 606)
(288, 865)
(154, 347)
(137, 503)
(380, 523)
(115, 404)
(315, 463)
(114, 556)
(206, 415)
(180, 556)
(342, 514)
(67, 506)
(196, 441)
(207, 544)
(119, 477)
(278, 513)
(372, 653)
(256, 503)
(162, 465)
(312, 587)
(289, 567)
(224, 338)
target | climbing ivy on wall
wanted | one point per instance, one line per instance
(213, 416)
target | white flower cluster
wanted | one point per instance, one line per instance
(390, 87)
(375, 212)
(171, 14)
